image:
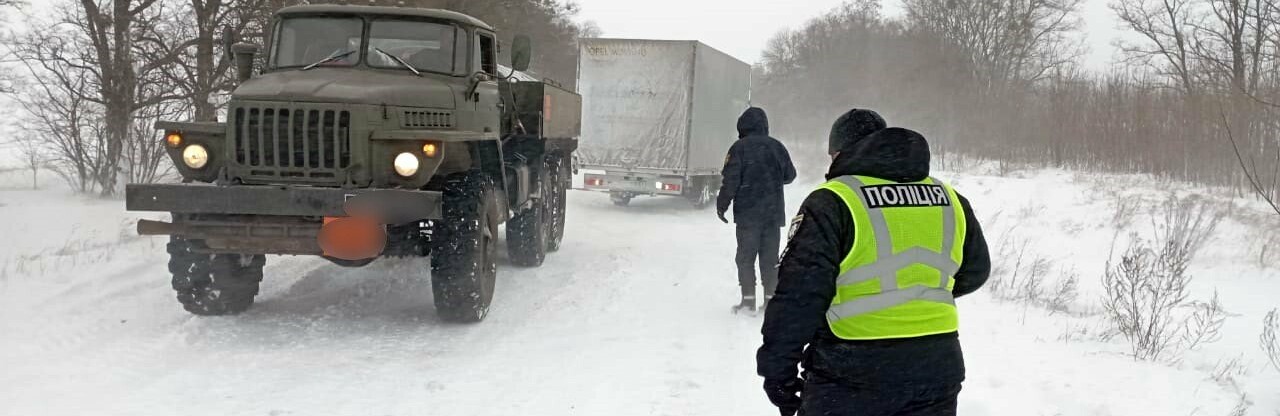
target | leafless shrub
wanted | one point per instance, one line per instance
(1065, 293)
(1071, 227)
(1004, 279)
(1149, 284)
(1029, 282)
(1023, 280)
(1031, 210)
(1073, 333)
(1266, 238)
(1225, 372)
(1204, 326)
(1123, 209)
(1139, 304)
(1183, 229)
(1268, 339)
(1242, 405)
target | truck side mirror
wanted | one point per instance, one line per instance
(521, 53)
(244, 54)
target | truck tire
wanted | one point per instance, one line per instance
(529, 231)
(561, 180)
(620, 199)
(702, 195)
(213, 284)
(464, 249)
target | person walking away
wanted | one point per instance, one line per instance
(754, 173)
(865, 299)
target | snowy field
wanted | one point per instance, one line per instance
(629, 318)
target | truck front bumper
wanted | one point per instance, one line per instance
(270, 219)
(394, 206)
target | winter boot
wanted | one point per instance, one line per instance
(748, 305)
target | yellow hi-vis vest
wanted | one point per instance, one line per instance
(896, 281)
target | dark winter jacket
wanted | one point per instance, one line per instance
(796, 316)
(754, 172)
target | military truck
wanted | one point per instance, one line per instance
(661, 117)
(368, 132)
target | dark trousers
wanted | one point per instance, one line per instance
(832, 398)
(758, 242)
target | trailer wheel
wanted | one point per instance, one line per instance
(702, 193)
(464, 249)
(213, 284)
(529, 231)
(620, 199)
(561, 181)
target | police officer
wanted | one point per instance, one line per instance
(867, 286)
(755, 171)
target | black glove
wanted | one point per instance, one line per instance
(720, 213)
(785, 394)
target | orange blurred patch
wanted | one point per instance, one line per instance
(352, 238)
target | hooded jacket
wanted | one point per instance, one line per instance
(755, 170)
(795, 326)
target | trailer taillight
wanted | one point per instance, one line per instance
(671, 187)
(595, 181)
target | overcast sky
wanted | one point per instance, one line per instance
(741, 27)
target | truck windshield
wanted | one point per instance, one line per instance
(424, 45)
(302, 41)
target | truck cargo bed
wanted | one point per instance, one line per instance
(659, 106)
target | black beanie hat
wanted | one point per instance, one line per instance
(852, 127)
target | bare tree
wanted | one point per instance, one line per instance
(148, 159)
(33, 157)
(7, 78)
(1233, 43)
(1014, 42)
(94, 51)
(193, 42)
(1252, 173)
(66, 125)
(1166, 28)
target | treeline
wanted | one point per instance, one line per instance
(92, 76)
(1002, 80)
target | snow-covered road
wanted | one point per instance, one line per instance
(629, 318)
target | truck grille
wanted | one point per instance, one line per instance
(294, 142)
(427, 119)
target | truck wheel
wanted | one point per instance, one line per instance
(529, 231)
(217, 284)
(559, 200)
(620, 199)
(701, 196)
(465, 249)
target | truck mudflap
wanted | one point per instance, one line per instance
(391, 206)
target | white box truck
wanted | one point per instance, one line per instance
(658, 117)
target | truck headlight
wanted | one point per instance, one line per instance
(406, 164)
(195, 156)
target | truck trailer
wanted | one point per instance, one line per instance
(659, 117)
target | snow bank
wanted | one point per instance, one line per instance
(629, 318)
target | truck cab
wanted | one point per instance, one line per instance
(369, 132)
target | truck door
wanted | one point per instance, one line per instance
(488, 102)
